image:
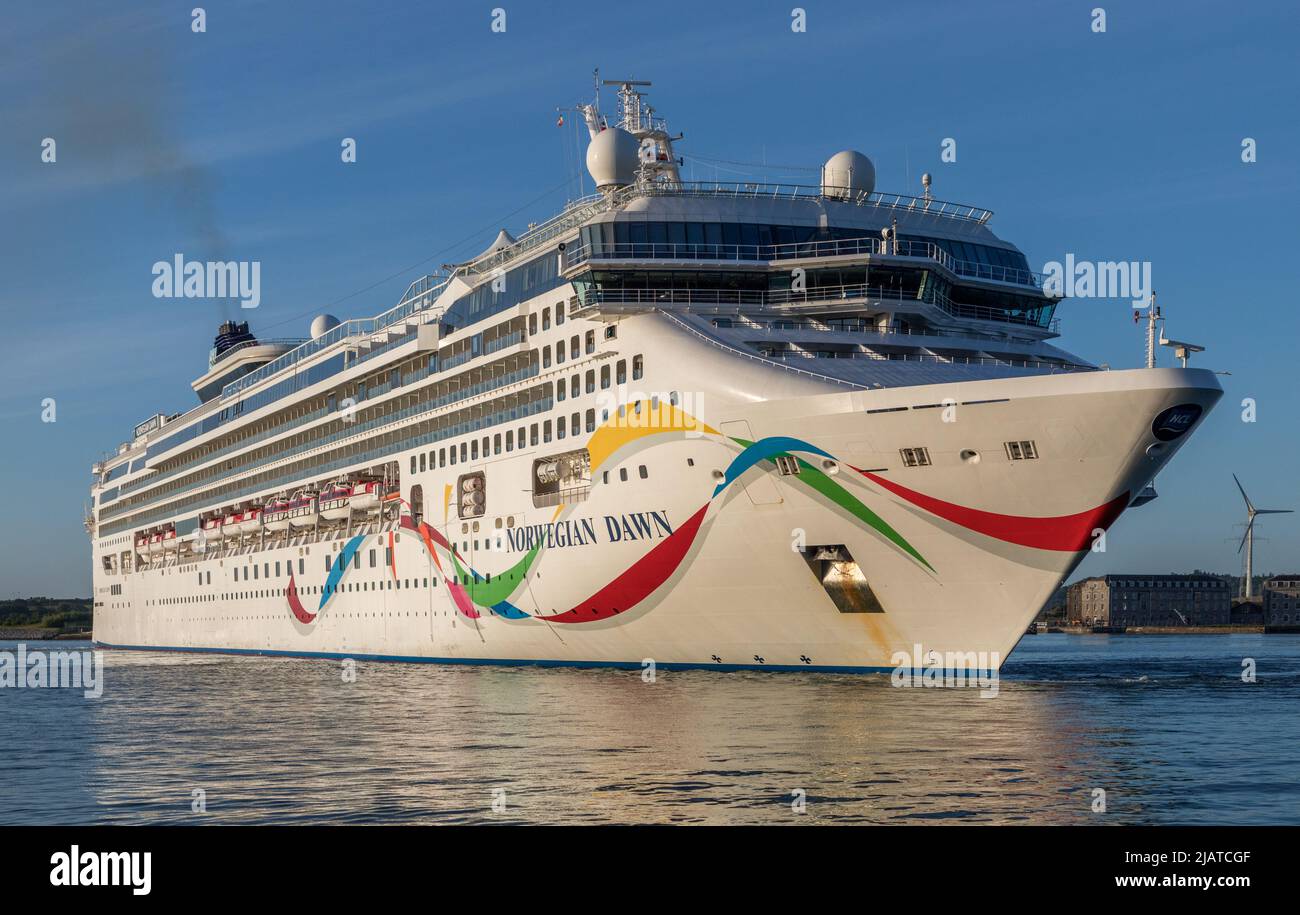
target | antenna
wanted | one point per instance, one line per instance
(1153, 315)
(1248, 539)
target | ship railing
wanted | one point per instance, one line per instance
(768, 328)
(690, 251)
(904, 202)
(420, 296)
(713, 341)
(273, 341)
(812, 295)
(954, 359)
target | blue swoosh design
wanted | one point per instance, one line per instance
(340, 566)
(762, 450)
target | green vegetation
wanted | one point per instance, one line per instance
(71, 614)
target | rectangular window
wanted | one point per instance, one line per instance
(575, 347)
(473, 450)
(559, 427)
(1021, 451)
(546, 357)
(546, 431)
(422, 468)
(372, 559)
(591, 342)
(638, 367)
(496, 443)
(300, 566)
(510, 440)
(559, 313)
(532, 435)
(591, 420)
(604, 377)
(622, 372)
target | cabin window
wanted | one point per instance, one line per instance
(575, 347)
(546, 319)
(591, 341)
(559, 353)
(510, 440)
(422, 462)
(532, 325)
(638, 367)
(559, 313)
(591, 381)
(642, 472)
(546, 357)
(591, 420)
(546, 431)
(496, 443)
(622, 372)
(473, 450)
(559, 427)
(575, 386)
(604, 377)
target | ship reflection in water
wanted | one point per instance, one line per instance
(1164, 724)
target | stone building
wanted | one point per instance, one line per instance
(1150, 600)
(1281, 595)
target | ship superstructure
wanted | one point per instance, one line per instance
(736, 425)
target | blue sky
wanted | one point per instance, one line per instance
(1124, 145)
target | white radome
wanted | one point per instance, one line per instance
(323, 324)
(848, 173)
(613, 157)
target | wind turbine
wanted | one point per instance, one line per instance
(1248, 539)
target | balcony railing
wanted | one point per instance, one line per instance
(737, 299)
(692, 251)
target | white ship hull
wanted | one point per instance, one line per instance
(740, 595)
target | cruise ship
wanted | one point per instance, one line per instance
(695, 424)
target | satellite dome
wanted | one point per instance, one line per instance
(848, 174)
(323, 324)
(613, 157)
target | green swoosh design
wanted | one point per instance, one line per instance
(814, 479)
(489, 594)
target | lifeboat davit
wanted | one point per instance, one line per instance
(252, 522)
(302, 509)
(334, 501)
(275, 516)
(170, 544)
(367, 497)
(142, 545)
(156, 543)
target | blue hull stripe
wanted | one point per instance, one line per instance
(513, 662)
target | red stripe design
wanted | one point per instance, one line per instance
(291, 593)
(638, 580)
(1064, 533)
